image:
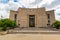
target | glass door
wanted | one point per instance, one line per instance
(31, 20)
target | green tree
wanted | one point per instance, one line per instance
(57, 24)
(7, 23)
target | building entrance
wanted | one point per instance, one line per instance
(31, 20)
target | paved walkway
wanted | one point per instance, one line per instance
(30, 37)
(44, 34)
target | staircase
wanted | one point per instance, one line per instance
(32, 31)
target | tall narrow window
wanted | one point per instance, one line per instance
(15, 17)
(48, 21)
(48, 16)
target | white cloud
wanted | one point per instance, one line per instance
(35, 3)
(13, 5)
(26, 3)
(4, 10)
(45, 2)
(57, 12)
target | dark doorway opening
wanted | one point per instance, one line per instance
(31, 20)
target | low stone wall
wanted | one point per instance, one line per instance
(3, 32)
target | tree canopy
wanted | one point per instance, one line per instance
(7, 23)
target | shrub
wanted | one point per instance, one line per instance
(57, 24)
(1, 28)
(7, 23)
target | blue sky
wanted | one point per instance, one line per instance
(4, 1)
(7, 5)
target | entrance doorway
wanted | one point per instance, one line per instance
(31, 20)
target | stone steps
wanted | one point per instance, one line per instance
(33, 31)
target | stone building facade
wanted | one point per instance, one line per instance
(33, 17)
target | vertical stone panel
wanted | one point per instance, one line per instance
(22, 17)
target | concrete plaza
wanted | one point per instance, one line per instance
(30, 37)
